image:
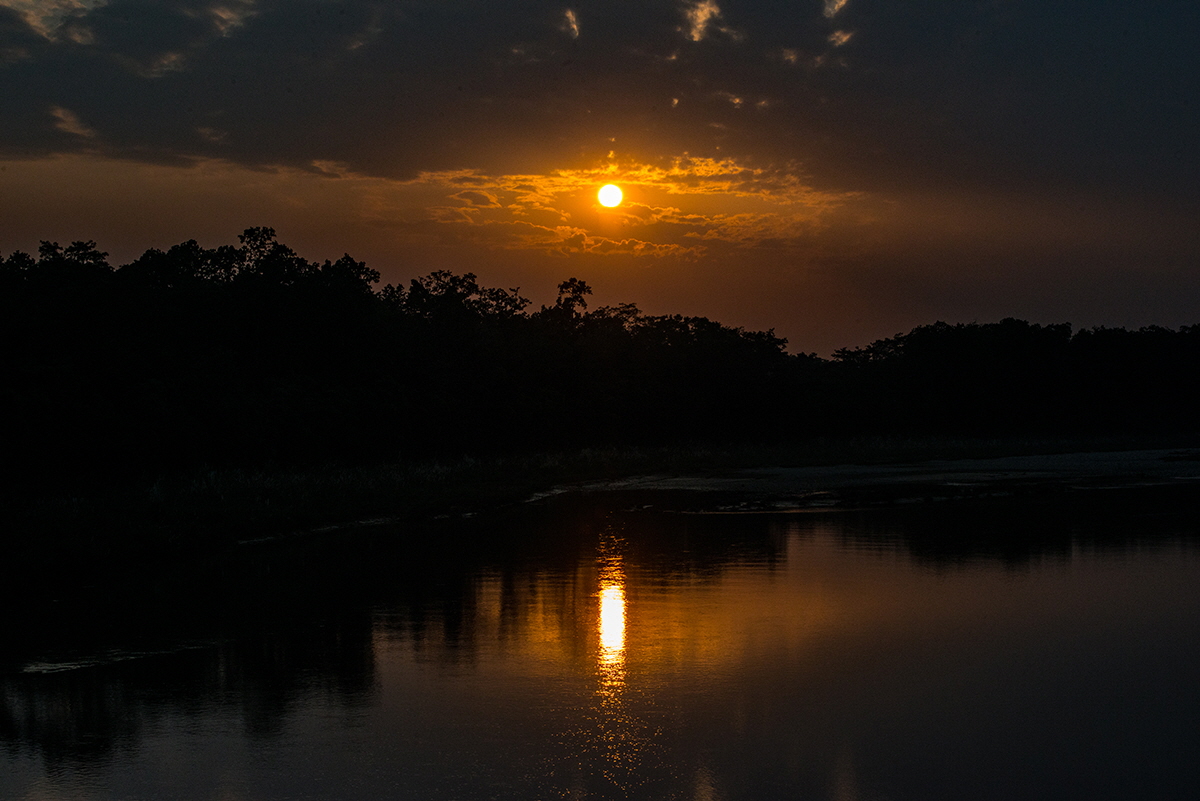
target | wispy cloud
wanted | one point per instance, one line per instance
(48, 16)
(569, 240)
(163, 64)
(832, 7)
(570, 24)
(477, 199)
(210, 134)
(228, 17)
(68, 121)
(698, 16)
(702, 17)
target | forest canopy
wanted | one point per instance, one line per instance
(250, 354)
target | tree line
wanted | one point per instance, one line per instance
(250, 354)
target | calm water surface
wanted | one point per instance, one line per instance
(576, 651)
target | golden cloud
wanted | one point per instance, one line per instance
(731, 204)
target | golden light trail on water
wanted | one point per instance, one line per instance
(616, 734)
(612, 623)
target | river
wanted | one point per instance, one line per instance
(608, 648)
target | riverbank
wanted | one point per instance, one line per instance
(191, 531)
(800, 488)
(211, 508)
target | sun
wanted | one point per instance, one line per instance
(610, 195)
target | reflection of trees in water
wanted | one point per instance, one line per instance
(259, 676)
(559, 597)
(514, 582)
(80, 717)
(1051, 523)
(537, 584)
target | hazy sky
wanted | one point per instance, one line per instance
(840, 170)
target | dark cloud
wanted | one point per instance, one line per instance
(865, 93)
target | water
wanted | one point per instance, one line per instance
(580, 651)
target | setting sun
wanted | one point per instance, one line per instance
(610, 195)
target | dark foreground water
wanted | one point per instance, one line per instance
(1027, 651)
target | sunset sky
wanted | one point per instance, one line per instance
(838, 170)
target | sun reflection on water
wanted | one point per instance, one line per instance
(612, 620)
(617, 736)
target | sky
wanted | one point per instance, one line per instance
(837, 170)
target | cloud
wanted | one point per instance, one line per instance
(480, 200)
(681, 175)
(393, 90)
(557, 212)
(702, 17)
(698, 16)
(164, 63)
(215, 135)
(48, 16)
(567, 241)
(832, 7)
(68, 121)
(228, 17)
(570, 24)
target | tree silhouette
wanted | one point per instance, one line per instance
(249, 354)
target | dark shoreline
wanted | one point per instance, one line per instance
(232, 505)
(213, 517)
(854, 485)
(82, 582)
